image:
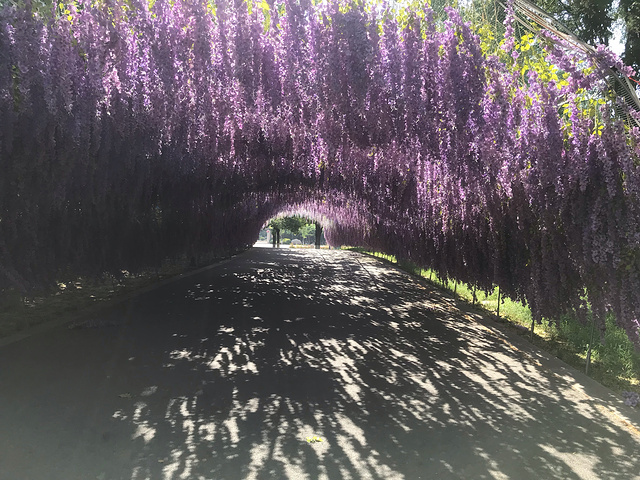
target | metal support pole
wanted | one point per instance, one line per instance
(533, 324)
(318, 234)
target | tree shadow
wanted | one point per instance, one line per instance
(229, 376)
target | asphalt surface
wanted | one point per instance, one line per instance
(226, 373)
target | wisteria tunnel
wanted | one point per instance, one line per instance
(135, 131)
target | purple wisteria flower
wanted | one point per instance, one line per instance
(132, 136)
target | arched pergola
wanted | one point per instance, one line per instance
(132, 131)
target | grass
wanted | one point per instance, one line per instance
(614, 361)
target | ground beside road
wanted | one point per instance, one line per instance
(225, 374)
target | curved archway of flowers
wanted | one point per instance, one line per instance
(132, 131)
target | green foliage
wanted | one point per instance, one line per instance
(614, 353)
(42, 7)
(307, 231)
(292, 224)
(591, 20)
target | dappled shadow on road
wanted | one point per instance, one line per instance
(230, 376)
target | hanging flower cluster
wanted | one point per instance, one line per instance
(134, 131)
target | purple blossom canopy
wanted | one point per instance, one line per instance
(132, 133)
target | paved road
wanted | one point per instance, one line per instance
(222, 375)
